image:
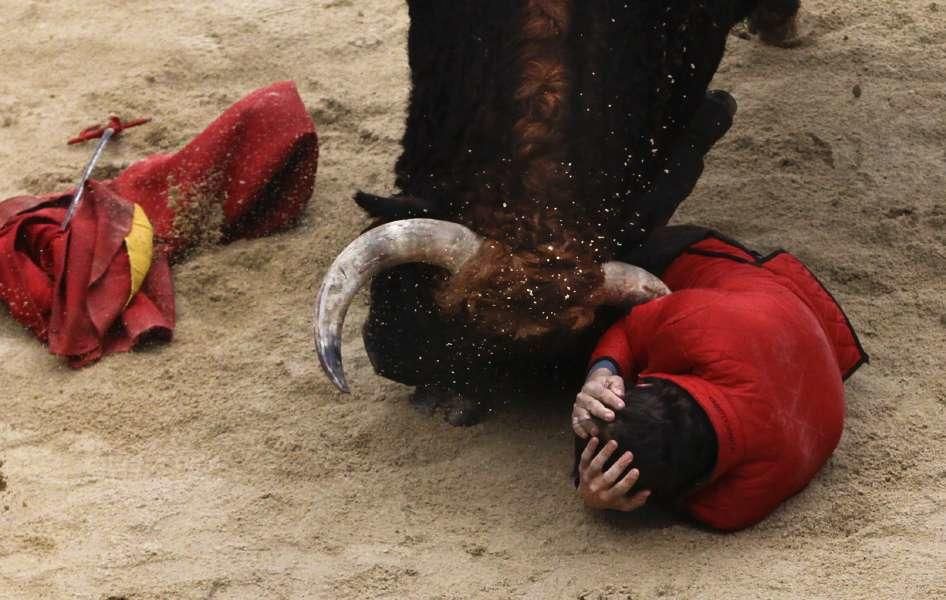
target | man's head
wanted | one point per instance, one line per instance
(672, 440)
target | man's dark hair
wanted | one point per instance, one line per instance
(673, 442)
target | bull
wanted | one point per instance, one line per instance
(545, 141)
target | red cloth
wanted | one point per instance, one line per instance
(250, 173)
(763, 348)
(71, 288)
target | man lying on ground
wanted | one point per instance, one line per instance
(725, 396)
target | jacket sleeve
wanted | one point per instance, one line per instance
(645, 338)
(615, 347)
(642, 325)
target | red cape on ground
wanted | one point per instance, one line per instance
(249, 174)
(71, 288)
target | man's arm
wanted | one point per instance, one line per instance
(613, 351)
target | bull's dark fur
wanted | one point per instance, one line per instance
(542, 125)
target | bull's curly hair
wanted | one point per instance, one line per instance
(534, 264)
(672, 439)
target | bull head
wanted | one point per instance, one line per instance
(538, 133)
(441, 243)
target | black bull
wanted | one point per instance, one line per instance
(639, 121)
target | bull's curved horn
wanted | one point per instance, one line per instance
(430, 241)
(626, 285)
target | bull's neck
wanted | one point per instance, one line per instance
(531, 117)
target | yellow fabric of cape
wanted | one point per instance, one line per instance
(140, 245)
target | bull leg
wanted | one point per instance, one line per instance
(776, 22)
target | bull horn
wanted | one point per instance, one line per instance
(626, 285)
(430, 241)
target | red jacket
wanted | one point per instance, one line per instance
(763, 348)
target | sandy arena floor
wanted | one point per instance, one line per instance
(224, 465)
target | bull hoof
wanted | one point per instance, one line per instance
(464, 412)
(459, 410)
(776, 30)
(427, 399)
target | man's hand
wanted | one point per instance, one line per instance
(602, 394)
(608, 490)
